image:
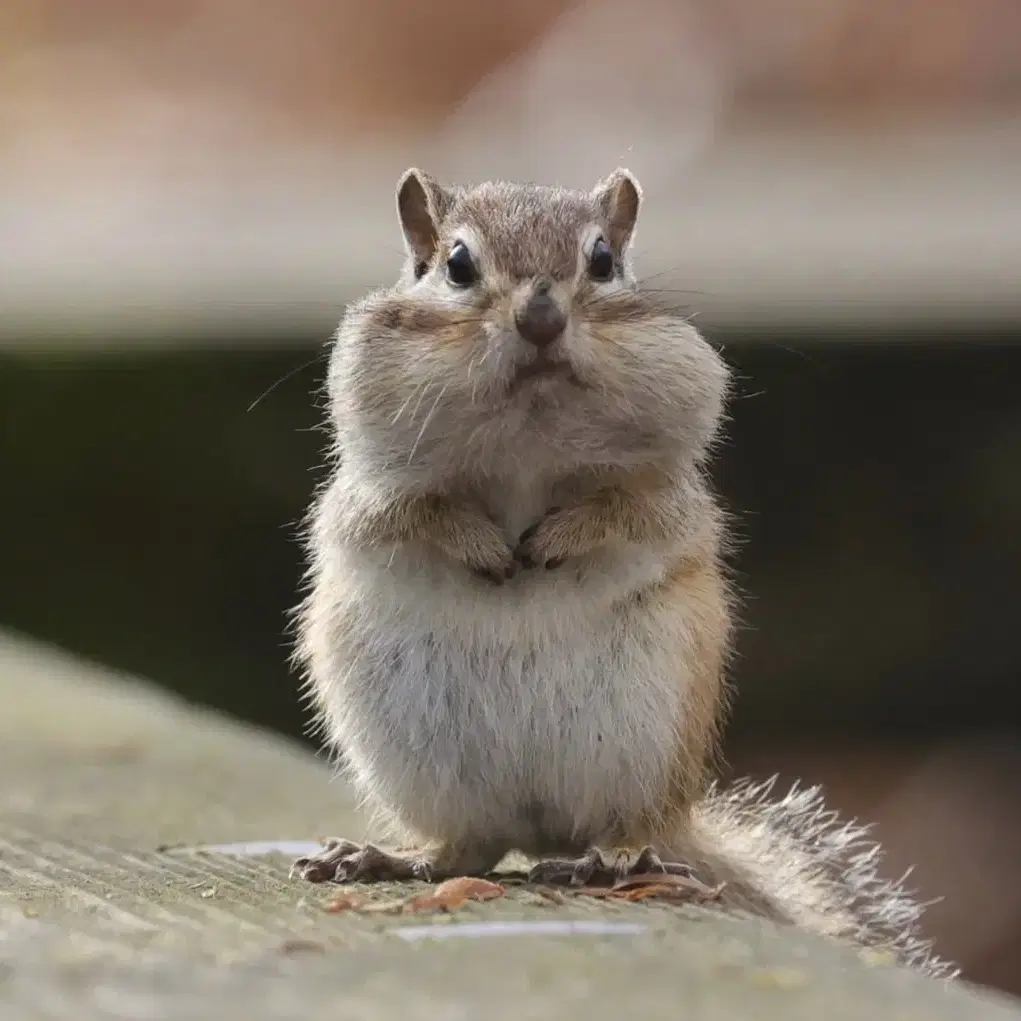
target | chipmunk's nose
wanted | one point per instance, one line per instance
(541, 321)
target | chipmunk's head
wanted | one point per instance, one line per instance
(517, 310)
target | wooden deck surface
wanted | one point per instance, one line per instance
(110, 907)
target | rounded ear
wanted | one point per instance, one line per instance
(618, 198)
(421, 206)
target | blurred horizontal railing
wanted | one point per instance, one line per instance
(773, 225)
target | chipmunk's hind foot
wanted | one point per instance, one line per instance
(343, 861)
(594, 868)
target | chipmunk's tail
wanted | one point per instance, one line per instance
(791, 859)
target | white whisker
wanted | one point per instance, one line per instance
(400, 411)
(428, 419)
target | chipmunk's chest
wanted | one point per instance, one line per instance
(516, 501)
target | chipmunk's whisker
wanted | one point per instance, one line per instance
(473, 376)
(290, 374)
(421, 390)
(425, 423)
(411, 396)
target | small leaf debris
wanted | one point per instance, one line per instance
(344, 902)
(659, 886)
(448, 896)
(455, 893)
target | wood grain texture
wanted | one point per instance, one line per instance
(96, 922)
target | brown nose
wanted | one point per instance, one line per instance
(540, 322)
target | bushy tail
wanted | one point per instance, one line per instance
(792, 859)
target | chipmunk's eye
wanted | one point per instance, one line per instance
(601, 262)
(461, 271)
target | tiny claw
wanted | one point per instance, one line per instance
(553, 564)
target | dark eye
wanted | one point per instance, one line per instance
(601, 262)
(461, 271)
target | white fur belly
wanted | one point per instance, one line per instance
(539, 712)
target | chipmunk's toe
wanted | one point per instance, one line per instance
(342, 861)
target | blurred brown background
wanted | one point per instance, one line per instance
(190, 191)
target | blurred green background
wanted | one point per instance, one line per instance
(154, 500)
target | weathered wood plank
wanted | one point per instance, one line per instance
(99, 920)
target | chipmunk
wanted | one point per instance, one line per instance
(519, 619)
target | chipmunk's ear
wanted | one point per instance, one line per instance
(618, 198)
(421, 205)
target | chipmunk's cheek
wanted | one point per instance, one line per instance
(581, 348)
(490, 363)
(499, 341)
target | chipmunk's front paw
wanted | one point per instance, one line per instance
(550, 541)
(481, 546)
(500, 567)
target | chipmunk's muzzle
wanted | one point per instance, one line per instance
(541, 321)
